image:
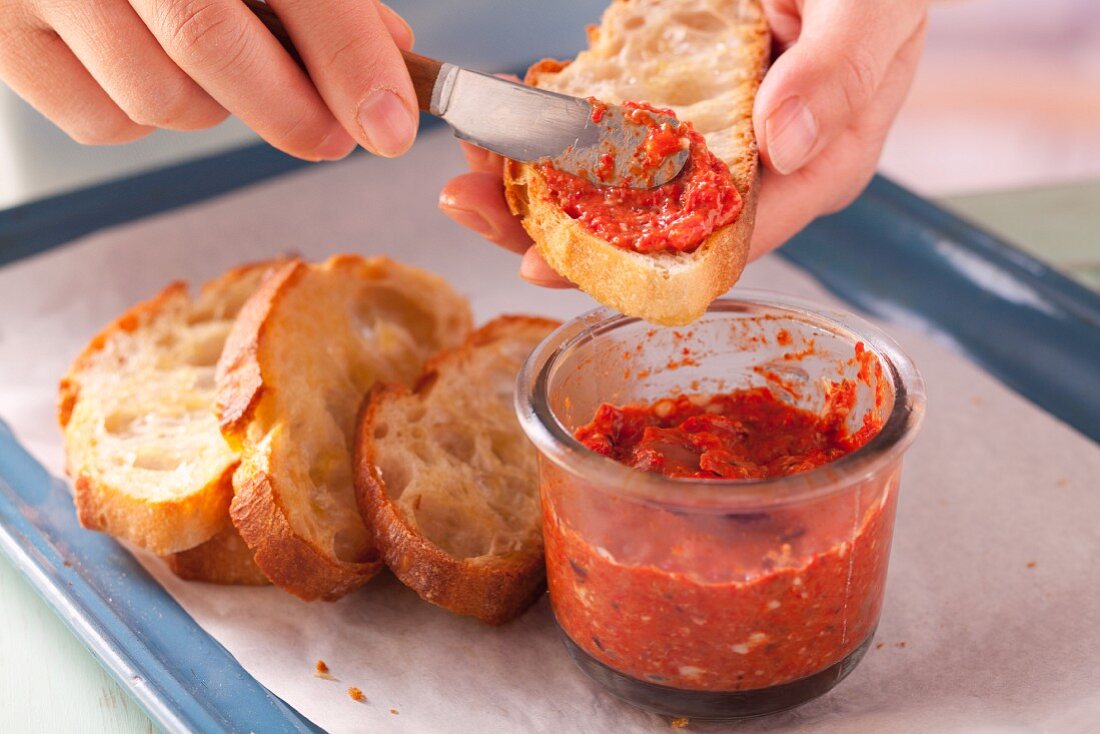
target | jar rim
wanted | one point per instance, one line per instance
(556, 443)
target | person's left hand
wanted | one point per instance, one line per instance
(821, 117)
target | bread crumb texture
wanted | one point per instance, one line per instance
(142, 444)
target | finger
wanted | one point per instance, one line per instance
(230, 54)
(357, 67)
(400, 31)
(841, 171)
(41, 69)
(481, 160)
(534, 269)
(122, 55)
(476, 201)
(829, 76)
(784, 22)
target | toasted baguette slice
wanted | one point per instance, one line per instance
(137, 411)
(447, 481)
(224, 559)
(306, 349)
(704, 59)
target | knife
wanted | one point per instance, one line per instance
(528, 124)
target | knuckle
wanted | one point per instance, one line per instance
(176, 105)
(351, 53)
(18, 16)
(303, 133)
(859, 78)
(208, 32)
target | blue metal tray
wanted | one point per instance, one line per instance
(890, 253)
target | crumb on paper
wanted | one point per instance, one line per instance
(395, 712)
(679, 723)
(1063, 483)
(1032, 564)
(356, 695)
(977, 400)
(903, 643)
(320, 670)
(880, 645)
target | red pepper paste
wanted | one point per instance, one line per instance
(676, 217)
(747, 434)
(715, 602)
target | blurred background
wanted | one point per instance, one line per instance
(1007, 98)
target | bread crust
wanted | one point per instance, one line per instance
(162, 525)
(224, 559)
(287, 559)
(663, 288)
(259, 509)
(492, 588)
(239, 378)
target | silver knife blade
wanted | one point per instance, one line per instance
(534, 125)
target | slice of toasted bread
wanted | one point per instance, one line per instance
(137, 411)
(704, 59)
(224, 559)
(306, 349)
(448, 482)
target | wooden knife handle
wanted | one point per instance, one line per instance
(423, 70)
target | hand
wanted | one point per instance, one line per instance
(111, 71)
(821, 117)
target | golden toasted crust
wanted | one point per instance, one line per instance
(161, 527)
(285, 557)
(304, 351)
(136, 409)
(240, 384)
(498, 575)
(224, 559)
(646, 61)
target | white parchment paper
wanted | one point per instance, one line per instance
(972, 639)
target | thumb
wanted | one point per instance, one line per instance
(828, 76)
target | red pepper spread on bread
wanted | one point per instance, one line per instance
(676, 217)
(724, 602)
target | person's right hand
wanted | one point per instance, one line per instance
(110, 71)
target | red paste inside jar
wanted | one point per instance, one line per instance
(676, 217)
(747, 434)
(717, 602)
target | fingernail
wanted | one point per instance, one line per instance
(791, 132)
(470, 219)
(388, 125)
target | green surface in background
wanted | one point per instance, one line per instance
(1058, 225)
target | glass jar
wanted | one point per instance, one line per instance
(718, 599)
